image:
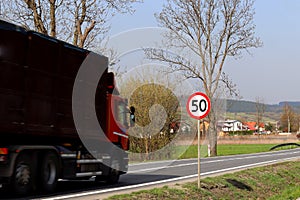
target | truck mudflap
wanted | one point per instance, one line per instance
(124, 170)
(111, 162)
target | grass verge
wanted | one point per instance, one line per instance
(228, 149)
(278, 181)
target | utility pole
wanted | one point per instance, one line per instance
(289, 124)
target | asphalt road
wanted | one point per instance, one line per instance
(146, 175)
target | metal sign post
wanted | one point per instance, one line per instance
(198, 107)
(199, 153)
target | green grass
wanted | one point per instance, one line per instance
(226, 149)
(291, 193)
(233, 149)
(186, 152)
(278, 181)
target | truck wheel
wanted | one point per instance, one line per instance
(114, 173)
(49, 172)
(22, 182)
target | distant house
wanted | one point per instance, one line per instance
(253, 126)
(231, 125)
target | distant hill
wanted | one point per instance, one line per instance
(236, 106)
(291, 103)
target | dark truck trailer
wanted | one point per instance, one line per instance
(39, 143)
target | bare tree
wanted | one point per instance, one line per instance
(78, 22)
(211, 30)
(289, 119)
(260, 110)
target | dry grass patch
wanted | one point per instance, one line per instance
(257, 183)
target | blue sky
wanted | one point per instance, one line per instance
(272, 72)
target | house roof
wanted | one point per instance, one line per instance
(252, 125)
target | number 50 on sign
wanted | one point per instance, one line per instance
(198, 105)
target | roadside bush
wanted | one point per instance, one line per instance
(231, 133)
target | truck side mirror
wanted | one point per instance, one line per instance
(132, 116)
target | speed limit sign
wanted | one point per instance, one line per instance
(198, 105)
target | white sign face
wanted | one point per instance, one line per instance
(198, 105)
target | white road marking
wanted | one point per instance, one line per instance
(203, 162)
(249, 157)
(162, 167)
(166, 180)
(249, 165)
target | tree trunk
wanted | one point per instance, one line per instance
(52, 18)
(212, 134)
(146, 148)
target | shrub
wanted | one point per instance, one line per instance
(231, 133)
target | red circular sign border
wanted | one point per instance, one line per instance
(189, 99)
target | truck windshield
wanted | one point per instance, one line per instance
(122, 114)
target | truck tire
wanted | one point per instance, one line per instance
(23, 176)
(49, 172)
(113, 175)
(114, 172)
